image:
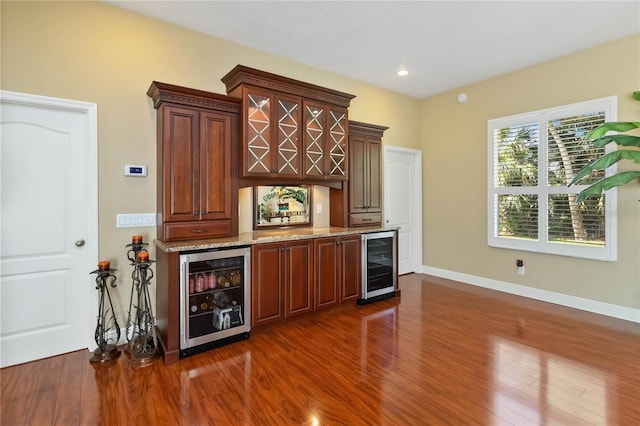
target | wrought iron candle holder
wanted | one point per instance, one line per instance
(106, 323)
(135, 247)
(141, 323)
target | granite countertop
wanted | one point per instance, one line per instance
(267, 236)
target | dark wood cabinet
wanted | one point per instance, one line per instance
(325, 142)
(359, 203)
(351, 271)
(292, 131)
(336, 270)
(197, 144)
(271, 134)
(282, 276)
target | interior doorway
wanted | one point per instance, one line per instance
(403, 204)
(49, 226)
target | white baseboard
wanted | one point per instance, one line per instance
(608, 309)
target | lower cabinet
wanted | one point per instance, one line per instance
(282, 277)
(336, 270)
(296, 277)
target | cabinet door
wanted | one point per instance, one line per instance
(257, 147)
(299, 278)
(336, 147)
(267, 276)
(215, 166)
(358, 174)
(350, 273)
(326, 272)
(373, 177)
(180, 145)
(288, 150)
(314, 126)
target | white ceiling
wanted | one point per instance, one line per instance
(443, 44)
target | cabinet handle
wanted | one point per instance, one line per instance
(367, 219)
(198, 231)
(281, 248)
(196, 213)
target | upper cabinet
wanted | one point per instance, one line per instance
(291, 130)
(197, 146)
(325, 142)
(271, 129)
(360, 203)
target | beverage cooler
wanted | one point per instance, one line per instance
(215, 297)
(379, 266)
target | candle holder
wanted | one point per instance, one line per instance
(106, 323)
(141, 323)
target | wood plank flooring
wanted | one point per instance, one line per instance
(444, 354)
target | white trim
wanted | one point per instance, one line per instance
(90, 110)
(608, 309)
(417, 196)
(608, 252)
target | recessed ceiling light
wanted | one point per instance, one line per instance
(402, 73)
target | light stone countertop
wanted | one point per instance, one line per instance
(266, 236)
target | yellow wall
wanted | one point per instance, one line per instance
(95, 52)
(454, 145)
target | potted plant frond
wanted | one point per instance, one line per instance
(599, 137)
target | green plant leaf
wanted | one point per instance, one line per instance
(615, 126)
(636, 95)
(622, 140)
(605, 161)
(607, 183)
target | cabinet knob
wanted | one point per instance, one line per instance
(281, 248)
(196, 213)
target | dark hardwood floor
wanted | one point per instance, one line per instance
(444, 354)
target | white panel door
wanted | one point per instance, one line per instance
(403, 204)
(48, 226)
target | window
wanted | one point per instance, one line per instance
(532, 158)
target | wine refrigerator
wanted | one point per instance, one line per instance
(215, 297)
(379, 266)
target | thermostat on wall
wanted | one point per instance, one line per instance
(135, 170)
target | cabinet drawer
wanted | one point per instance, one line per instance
(364, 219)
(196, 230)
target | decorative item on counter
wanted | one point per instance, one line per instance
(107, 324)
(140, 329)
(136, 239)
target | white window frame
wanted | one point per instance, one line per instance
(608, 252)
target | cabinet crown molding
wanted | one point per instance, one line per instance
(366, 129)
(164, 92)
(241, 74)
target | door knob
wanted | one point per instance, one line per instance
(79, 243)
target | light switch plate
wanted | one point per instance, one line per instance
(319, 208)
(135, 220)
